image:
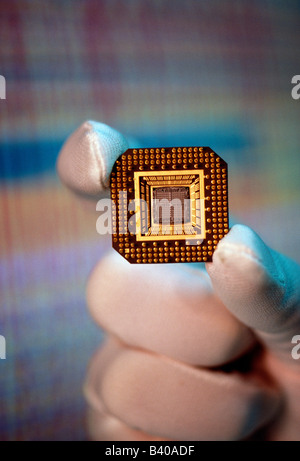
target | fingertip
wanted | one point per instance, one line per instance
(247, 278)
(242, 250)
(87, 157)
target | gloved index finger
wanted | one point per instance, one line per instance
(87, 157)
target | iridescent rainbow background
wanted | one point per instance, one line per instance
(166, 73)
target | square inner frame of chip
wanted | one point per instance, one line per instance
(170, 205)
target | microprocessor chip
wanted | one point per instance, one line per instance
(170, 204)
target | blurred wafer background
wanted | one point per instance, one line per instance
(167, 73)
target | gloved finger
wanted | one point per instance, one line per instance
(168, 309)
(169, 399)
(100, 424)
(87, 157)
(102, 427)
(260, 287)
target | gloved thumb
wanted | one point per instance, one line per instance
(260, 287)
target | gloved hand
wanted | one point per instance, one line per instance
(190, 354)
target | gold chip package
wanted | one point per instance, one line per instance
(169, 205)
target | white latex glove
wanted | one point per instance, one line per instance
(181, 360)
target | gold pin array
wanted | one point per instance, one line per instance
(138, 172)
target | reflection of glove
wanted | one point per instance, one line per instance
(161, 371)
